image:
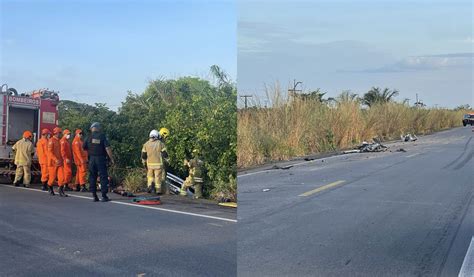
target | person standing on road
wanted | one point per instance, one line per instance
(66, 154)
(42, 151)
(164, 133)
(80, 159)
(24, 151)
(153, 152)
(56, 163)
(98, 149)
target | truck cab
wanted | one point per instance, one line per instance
(468, 119)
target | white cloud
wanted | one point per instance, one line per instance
(428, 62)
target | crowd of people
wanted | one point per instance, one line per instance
(92, 155)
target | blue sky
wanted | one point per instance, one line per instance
(94, 51)
(423, 47)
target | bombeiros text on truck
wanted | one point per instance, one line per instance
(32, 111)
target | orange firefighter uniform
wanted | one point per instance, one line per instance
(56, 164)
(42, 151)
(80, 159)
(66, 155)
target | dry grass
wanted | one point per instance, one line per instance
(295, 128)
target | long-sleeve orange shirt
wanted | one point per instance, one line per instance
(54, 151)
(80, 155)
(42, 150)
(66, 153)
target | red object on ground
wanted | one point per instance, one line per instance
(149, 202)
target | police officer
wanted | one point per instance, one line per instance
(98, 149)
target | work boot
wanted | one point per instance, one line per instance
(94, 195)
(45, 186)
(104, 198)
(51, 190)
(61, 192)
(83, 188)
(78, 187)
(183, 191)
(153, 190)
(17, 184)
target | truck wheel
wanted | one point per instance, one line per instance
(464, 124)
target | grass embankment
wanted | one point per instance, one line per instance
(298, 127)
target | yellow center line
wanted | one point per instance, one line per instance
(328, 186)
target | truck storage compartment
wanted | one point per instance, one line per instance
(21, 119)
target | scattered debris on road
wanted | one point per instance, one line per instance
(265, 190)
(375, 146)
(309, 159)
(281, 167)
(401, 150)
(408, 137)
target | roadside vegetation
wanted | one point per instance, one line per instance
(200, 114)
(308, 123)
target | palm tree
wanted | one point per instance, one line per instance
(376, 95)
(220, 75)
(347, 96)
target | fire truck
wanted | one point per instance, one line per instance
(32, 111)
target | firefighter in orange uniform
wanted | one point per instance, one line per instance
(66, 154)
(42, 151)
(80, 159)
(56, 164)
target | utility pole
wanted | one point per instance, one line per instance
(292, 92)
(245, 99)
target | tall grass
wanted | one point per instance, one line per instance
(296, 127)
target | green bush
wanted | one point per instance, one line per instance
(135, 180)
(200, 114)
(225, 190)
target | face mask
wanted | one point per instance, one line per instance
(68, 136)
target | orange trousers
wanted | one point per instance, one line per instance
(56, 172)
(44, 173)
(67, 173)
(81, 174)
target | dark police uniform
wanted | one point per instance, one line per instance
(95, 146)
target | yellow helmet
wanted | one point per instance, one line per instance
(164, 132)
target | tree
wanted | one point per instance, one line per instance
(466, 107)
(199, 115)
(315, 95)
(376, 95)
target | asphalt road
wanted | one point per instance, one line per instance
(42, 235)
(379, 214)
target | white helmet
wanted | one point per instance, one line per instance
(154, 134)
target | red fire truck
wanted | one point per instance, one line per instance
(32, 111)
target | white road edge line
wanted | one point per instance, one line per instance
(467, 268)
(141, 206)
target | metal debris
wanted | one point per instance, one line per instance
(408, 137)
(265, 190)
(375, 146)
(281, 167)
